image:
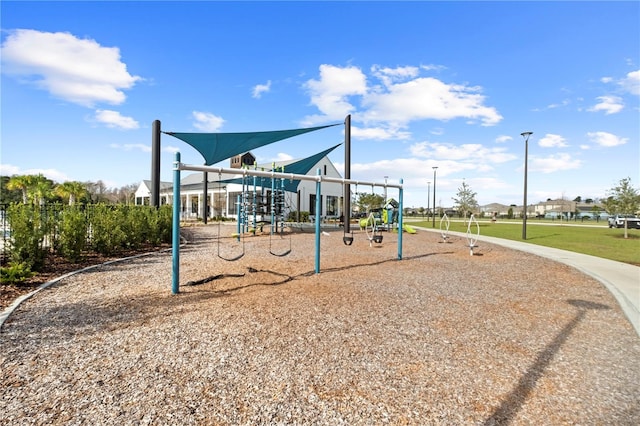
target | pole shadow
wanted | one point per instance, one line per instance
(506, 412)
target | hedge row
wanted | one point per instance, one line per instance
(73, 231)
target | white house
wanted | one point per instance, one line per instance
(223, 192)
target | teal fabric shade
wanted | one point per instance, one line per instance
(216, 147)
(300, 167)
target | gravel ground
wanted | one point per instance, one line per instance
(440, 337)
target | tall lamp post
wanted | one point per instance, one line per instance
(525, 135)
(385, 189)
(428, 197)
(434, 195)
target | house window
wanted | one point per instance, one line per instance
(331, 208)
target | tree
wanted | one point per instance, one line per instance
(625, 199)
(466, 201)
(578, 199)
(8, 196)
(35, 188)
(41, 189)
(71, 191)
(21, 183)
(96, 191)
(366, 202)
(126, 194)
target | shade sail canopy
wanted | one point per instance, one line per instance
(300, 167)
(216, 147)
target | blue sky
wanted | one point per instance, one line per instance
(445, 84)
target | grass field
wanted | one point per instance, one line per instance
(593, 239)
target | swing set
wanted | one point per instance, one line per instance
(178, 166)
(248, 202)
(375, 222)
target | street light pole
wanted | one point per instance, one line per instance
(525, 135)
(428, 197)
(434, 195)
(385, 189)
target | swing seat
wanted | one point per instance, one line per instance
(347, 240)
(377, 239)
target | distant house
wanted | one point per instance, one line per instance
(223, 191)
(497, 209)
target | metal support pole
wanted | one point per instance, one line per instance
(205, 204)
(318, 215)
(400, 221)
(525, 135)
(347, 174)
(175, 240)
(155, 164)
(273, 198)
(434, 196)
(239, 207)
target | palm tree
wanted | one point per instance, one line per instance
(40, 189)
(71, 190)
(22, 183)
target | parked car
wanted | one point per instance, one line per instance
(618, 220)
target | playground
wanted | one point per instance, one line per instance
(438, 337)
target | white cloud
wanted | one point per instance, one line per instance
(402, 96)
(259, 89)
(631, 83)
(390, 75)
(331, 92)
(77, 70)
(115, 120)
(207, 122)
(608, 104)
(552, 141)
(503, 139)
(131, 147)
(554, 163)
(606, 139)
(283, 157)
(474, 153)
(53, 174)
(378, 133)
(564, 103)
(428, 98)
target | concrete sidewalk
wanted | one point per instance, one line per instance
(621, 279)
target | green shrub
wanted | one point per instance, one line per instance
(107, 233)
(28, 231)
(293, 217)
(72, 233)
(15, 273)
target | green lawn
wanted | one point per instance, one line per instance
(596, 240)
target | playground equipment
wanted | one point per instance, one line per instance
(444, 223)
(277, 216)
(372, 229)
(318, 179)
(472, 239)
(239, 236)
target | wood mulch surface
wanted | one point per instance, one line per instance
(56, 266)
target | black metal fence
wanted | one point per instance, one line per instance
(101, 228)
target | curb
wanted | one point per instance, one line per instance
(9, 310)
